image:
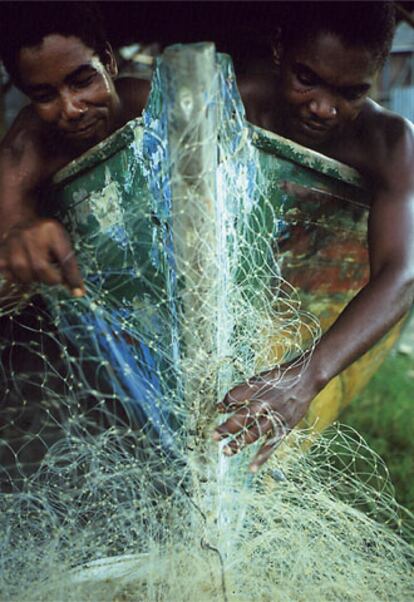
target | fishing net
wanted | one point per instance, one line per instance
(112, 488)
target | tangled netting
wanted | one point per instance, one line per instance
(112, 488)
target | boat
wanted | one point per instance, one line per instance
(210, 249)
(309, 210)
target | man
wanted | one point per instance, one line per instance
(327, 57)
(61, 60)
(319, 99)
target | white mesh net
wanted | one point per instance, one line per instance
(111, 486)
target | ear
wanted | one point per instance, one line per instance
(110, 61)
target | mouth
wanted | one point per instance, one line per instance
(314, 129)
(83, 131)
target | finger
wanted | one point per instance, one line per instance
(240, 420)
(252, 390)
(260, 428)
(65, 256)
(237, 398)
(43, 269)
(273, 442)
(46, 272)
(19, 264)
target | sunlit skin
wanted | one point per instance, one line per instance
(71, 89)
(319, 99)
(75, 103)
(322, 90)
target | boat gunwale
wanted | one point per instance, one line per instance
(262, 139)
(98, 153)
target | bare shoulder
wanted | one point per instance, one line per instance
(25, 152)
(388, 141)
(388, 126)
(133, 93)
(257, 92)
(26, 128)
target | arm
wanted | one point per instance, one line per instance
(31, 249)
(273, 403)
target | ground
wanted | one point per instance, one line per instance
(384, 415)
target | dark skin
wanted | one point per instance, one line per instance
(322, 103)
(319, 99)
(75, 104)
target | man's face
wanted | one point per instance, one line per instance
(70, 88)
(323, 86)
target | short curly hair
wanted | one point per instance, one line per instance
(366, 24)
(26, 24)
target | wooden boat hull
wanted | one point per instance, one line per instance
(316, 223)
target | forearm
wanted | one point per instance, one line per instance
(369, 316)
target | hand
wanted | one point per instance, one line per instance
(269, 405)
(40, 251)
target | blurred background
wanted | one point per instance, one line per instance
(138, 31)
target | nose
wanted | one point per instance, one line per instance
(323, 107)
(72, 106)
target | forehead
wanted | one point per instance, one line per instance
(53, 59)
(333, 61)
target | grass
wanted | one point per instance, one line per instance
(384, 415)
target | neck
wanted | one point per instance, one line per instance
(118, 115)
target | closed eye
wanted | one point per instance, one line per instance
(306, 76)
